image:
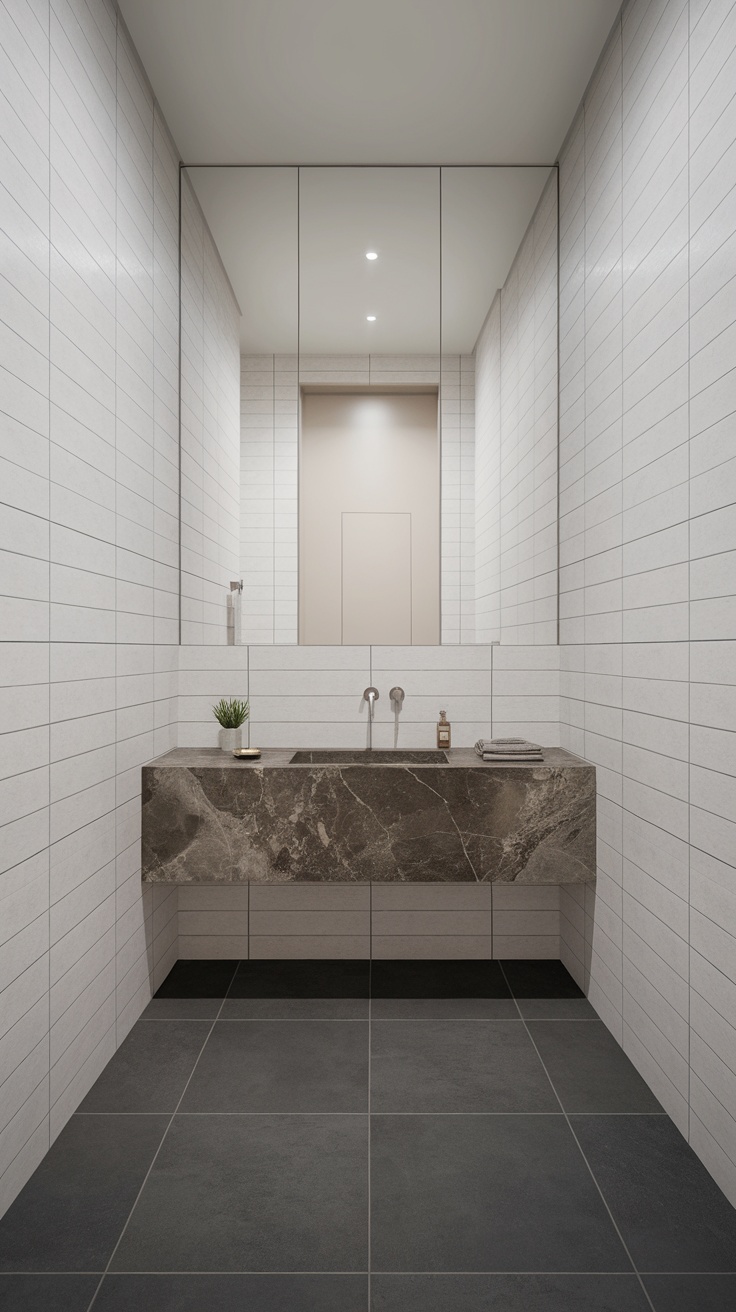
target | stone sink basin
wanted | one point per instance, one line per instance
(365, 757)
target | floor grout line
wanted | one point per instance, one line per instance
(370, 1035)
(582, 1154)
(367, 1112)
(376, 1020)
(500, 1271)
(158, 1150)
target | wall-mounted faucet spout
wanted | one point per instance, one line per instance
(370, 695)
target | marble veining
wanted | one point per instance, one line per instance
(208, 818)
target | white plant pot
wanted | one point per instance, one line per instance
(230, 739)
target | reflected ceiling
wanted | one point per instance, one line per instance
(369, 81)
(342, 213)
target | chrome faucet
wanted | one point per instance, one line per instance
(396, 696)
(370, 695)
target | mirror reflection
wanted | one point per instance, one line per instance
(376, 408)
(369, 343)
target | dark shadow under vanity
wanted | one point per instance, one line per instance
(211, 819)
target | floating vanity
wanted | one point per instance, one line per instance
(357, 817)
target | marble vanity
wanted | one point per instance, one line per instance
(414, 817)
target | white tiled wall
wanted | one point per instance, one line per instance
(516, 445)
(210, 431)
(526, 693)
(313, 696)
(487, 509)
(648, 545)
(89, 539)
(269, 399)
(269, 480)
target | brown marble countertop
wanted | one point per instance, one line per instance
(358, 820)
(279, 758)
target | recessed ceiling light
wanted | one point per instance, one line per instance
(371, 255)
(371, 318)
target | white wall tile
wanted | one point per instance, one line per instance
(89, 498)
(664, 167)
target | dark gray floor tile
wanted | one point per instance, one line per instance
(556, 1009)
(457, 1066)
(182, 1009)
(504, 1293)
(540, 979)
(47, 1293)
(282, 1066)
(150, 1069)
(301, 979)
(444, 1009)
(295, 1009)
(485, 1193)
(671, 1213)
(692, 1293)
(590, 1071)
(437, 979)
(254, 1193)
(70, 1214)
(232, 1293)
(198, 979)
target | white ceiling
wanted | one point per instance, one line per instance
(294, 250)
(369, 81)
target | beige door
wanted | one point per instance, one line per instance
(369, 565)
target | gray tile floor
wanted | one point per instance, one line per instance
(392, 1137)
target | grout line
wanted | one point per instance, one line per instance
(587, 1163)
(48, 620)
(623, 1275)
(117, 297)
(689, 596)
(558, 411)
(363, 1020)
(370, 1035)
(348, 164)
(179, 411)
(192, 1115)
(160, 1146)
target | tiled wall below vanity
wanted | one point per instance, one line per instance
(337, 921)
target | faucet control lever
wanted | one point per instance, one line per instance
(397, 695)
(370, 695)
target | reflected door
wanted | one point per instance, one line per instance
(376, 577)
(369, 564)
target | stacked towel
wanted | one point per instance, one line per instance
(508, 749)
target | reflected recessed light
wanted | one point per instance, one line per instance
(371, 318)
(371, 255)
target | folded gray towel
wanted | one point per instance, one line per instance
(505, 747)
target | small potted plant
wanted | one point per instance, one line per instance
(231, 714)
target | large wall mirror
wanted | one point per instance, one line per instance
(398, 398)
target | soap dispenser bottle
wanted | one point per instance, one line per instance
(443, 730)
